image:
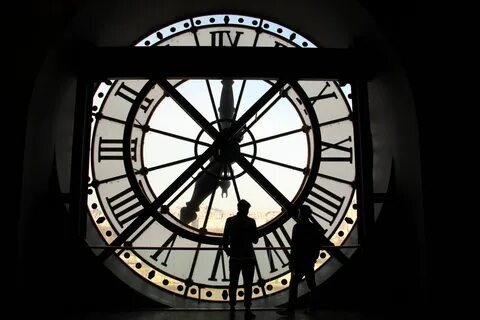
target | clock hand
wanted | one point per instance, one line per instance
(227, 112)
(225, 184)
(226, 108)
(208, 182)
(203, 187)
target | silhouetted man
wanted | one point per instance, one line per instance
(239, 235)
(306, 240)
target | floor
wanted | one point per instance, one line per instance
(222, 315)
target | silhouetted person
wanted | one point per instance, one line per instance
(239, 235)
(306, 239)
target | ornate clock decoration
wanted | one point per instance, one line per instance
(170, 158)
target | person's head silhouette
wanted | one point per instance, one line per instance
(305, 212)
(243, 206)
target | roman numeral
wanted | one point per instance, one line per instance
(219, 258)
(218, 38)
(345, 151)
(130, 95)
(112, 149)
(168, 243)
(281, 255)
(125, 206)
(323, 94)
(326, 204)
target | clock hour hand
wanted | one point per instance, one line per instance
(227, 112)
(204, 186)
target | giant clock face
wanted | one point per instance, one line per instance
(170, 158)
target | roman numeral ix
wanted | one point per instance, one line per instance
(125, 206)
(325, 204)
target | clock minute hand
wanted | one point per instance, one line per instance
(207, 183)
(226, 111)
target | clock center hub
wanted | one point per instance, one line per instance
(229, 152)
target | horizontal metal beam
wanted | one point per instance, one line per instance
(93, 63)
(210, 248)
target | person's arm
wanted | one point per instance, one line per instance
(294, 250)
(226, 238)
(318, 238)
(254, 232)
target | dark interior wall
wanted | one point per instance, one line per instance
(395, 275)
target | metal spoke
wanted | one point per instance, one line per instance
(212, 197)
(258, 117)
(274, 162)
(272, 137)
(240, 95)
(351, 183)
(239, 125)
(195, 179)
(140, 232)
(184, 176)
(234, 181)
(176, 136)
(173, 163)
(263, 182)
(188, 108)
(213, 102)
(111, 179)
(104, 117)
(326, 123)
(117, 177)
